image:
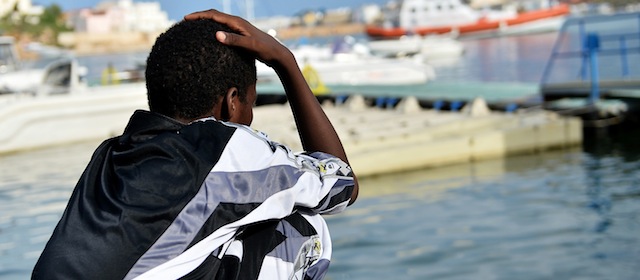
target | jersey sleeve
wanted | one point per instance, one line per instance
(333, 174)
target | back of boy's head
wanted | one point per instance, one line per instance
(188, 70)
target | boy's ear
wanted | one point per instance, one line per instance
(229, 106)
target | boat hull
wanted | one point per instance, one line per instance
(31, 122)
(483, 25)
(353, 68)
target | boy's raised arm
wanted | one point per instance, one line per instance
(316, 131)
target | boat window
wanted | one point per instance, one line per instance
(40, 63)
(59, 75)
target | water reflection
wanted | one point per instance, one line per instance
(503, 59)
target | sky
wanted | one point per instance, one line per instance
(176, 9)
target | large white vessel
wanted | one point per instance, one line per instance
(424, 17)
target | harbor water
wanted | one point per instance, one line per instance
(564, 214)
(571, 214)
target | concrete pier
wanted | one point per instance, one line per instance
(408, 137)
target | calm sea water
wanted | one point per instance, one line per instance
(570, 214)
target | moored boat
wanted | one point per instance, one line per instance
(423, 17)
(431, 48)
(48, 103)
(350, 63)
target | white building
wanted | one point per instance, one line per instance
(370, 13)
(145, 17)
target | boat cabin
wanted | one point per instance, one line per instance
(46, 76)
(434, 13)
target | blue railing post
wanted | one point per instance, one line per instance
(341, 99)
(437, 105)
(455, 106)
(585, 57)
(390, 102)
(511, 107)
(623, 56)
(592, 44)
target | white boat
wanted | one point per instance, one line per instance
(54, 75)
(55, 72)
(430, 48)
(51, 105)
(354, 65)
(30, 122)
(424, 17)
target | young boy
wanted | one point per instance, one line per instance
(189, 190)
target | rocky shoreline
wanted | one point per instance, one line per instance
(320, 31)
(94, 44)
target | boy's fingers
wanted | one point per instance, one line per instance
(233, 22)
(243, 40)
(199, 15)
(209, 14)
(231, 39)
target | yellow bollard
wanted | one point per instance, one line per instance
(313, 80)
(109, 76)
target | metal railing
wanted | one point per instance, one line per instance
(592, 47)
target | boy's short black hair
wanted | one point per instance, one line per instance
(188, 69)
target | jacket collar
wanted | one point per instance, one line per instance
(144, 125)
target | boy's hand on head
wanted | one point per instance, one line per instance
(315, 129)
(266, 48)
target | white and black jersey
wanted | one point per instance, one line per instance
(208, 200)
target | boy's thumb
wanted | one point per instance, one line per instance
(221, 36)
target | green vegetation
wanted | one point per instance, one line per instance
(44, 28)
